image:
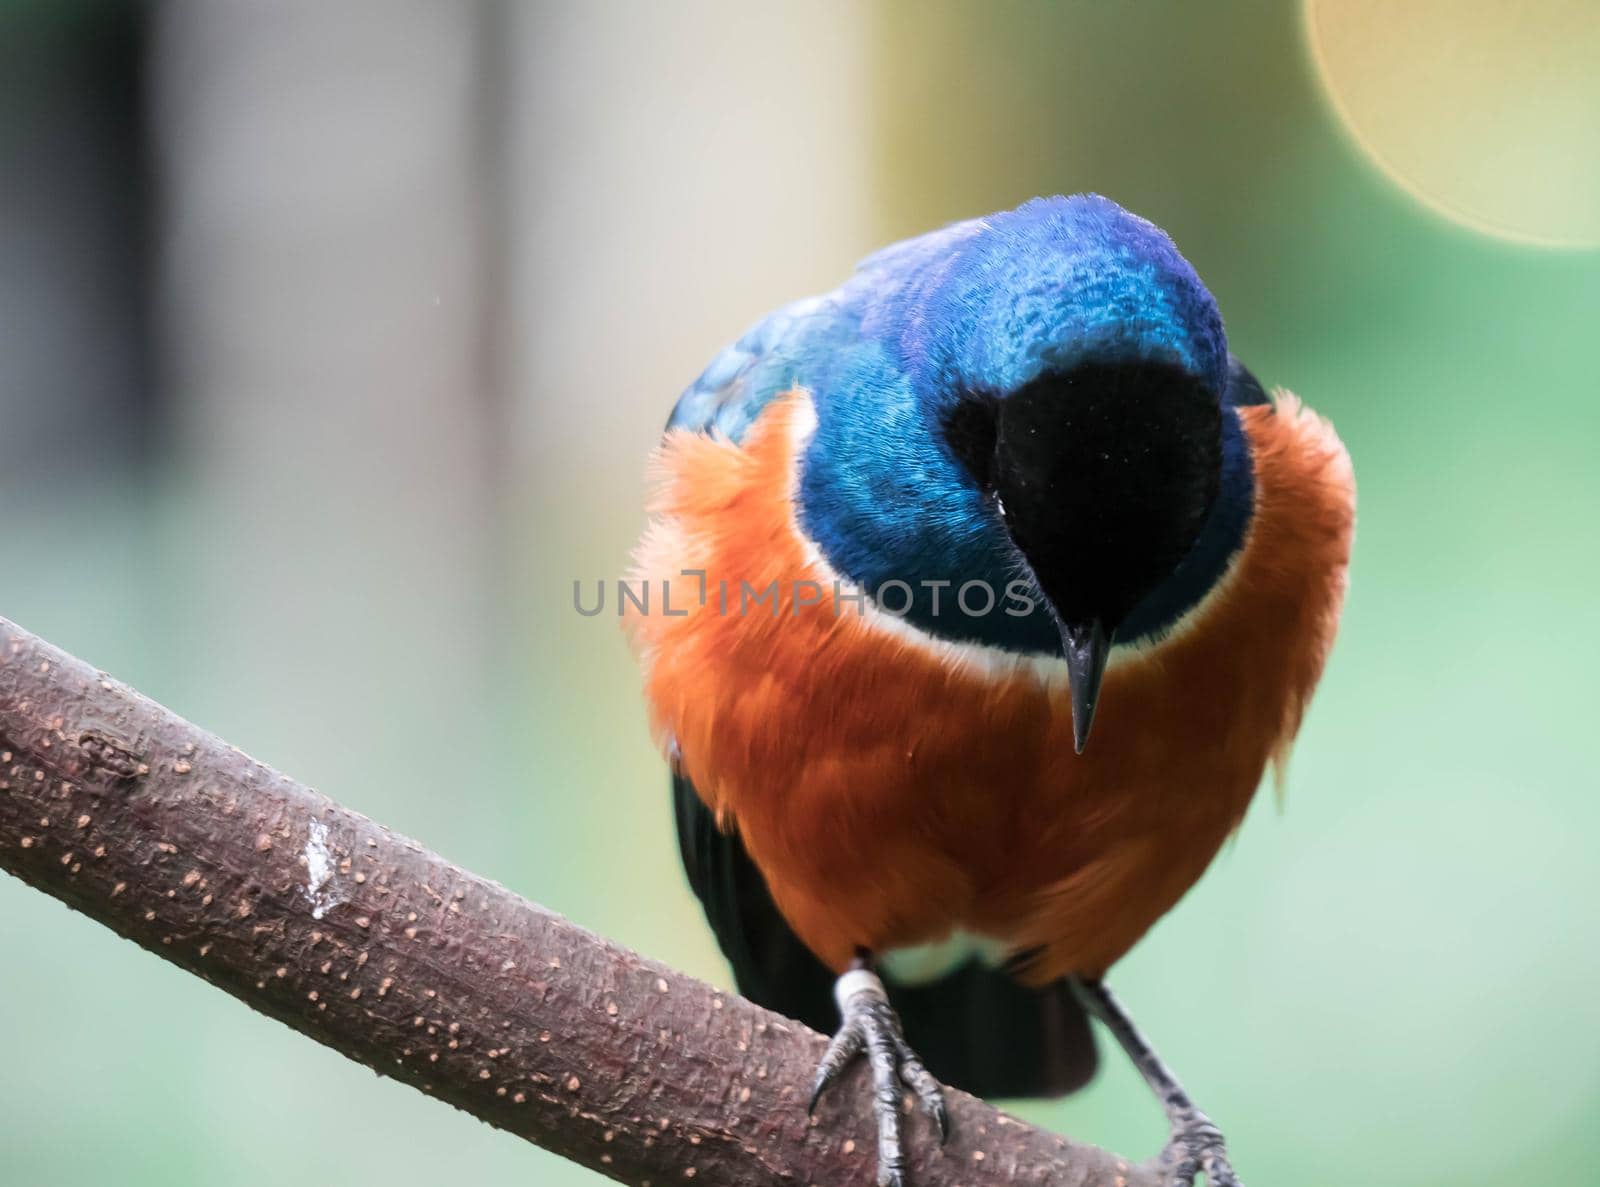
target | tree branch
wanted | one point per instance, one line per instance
(372, 945)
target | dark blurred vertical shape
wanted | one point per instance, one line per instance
(325, 305)
(75, 386)
(497, 59)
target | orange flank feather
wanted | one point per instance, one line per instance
(891, 792)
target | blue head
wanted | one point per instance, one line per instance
(1060, 386)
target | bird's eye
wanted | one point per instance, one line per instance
(969, 430)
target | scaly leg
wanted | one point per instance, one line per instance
(1196, 1144)
(868, 1024)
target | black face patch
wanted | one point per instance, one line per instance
(970, 426)
(1105, 474)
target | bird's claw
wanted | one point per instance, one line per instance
(869, 1025)
(1196, 1147)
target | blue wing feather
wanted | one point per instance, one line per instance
(805, 340)
(744, 377)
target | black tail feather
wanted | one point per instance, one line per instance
(980, 1030)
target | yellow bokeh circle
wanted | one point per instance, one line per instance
(1486, 111)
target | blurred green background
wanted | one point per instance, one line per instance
(335, 337)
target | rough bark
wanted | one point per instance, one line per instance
(372, 945)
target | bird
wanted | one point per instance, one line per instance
(997, 583)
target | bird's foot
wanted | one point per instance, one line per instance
(868, 1024)
(1196, 1147)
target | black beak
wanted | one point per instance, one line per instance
(1086, 648)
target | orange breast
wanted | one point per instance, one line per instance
(891, 790)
